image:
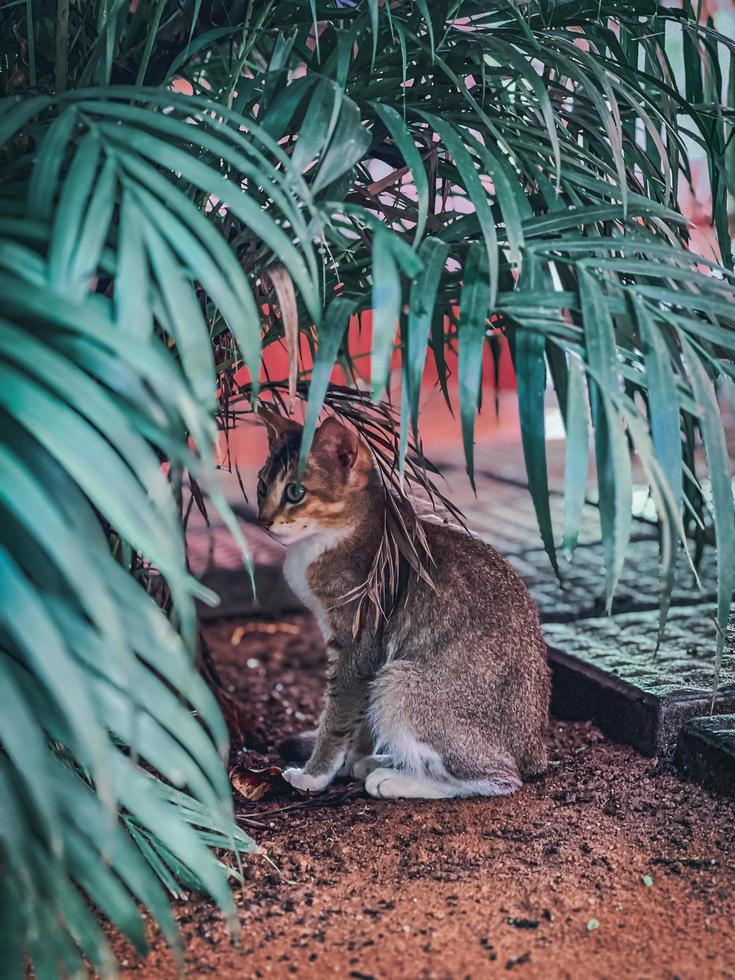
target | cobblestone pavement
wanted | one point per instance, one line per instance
(640, 691)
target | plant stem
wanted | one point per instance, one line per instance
(149, 42)
(100, 41)
(246, 47)
(61, 63)
(31, 43)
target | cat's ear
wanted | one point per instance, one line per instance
(276, 424)
(334, 442)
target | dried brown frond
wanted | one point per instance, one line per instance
(403, 555)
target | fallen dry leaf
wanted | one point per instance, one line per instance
(237, 635)
(239, 632)
(254, 784)
(284, 287)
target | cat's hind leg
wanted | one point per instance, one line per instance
(433, 753)
(359, 759)
(362, 767)
(399, 784)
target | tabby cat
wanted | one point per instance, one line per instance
(449, 697)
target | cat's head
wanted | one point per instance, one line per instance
(330, 497)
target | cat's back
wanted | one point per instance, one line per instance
(471, 573)
(475, 639)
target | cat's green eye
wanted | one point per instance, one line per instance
(295, 492)
(262, 488)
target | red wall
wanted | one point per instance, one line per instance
(275, 359)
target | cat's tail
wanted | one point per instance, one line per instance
(534, 761)
(298, 748)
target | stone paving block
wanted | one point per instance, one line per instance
(215, 559)
(706, 752)
(503, 514)
(582, 593)
(214, 547)
(608, 669)
(505, 517)
(272, 598)
(504, 461)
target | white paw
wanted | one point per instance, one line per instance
(362, 767)
(385, 783)
(302, 780)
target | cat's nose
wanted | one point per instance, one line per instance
(265, 522)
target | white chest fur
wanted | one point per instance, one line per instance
(299, 557)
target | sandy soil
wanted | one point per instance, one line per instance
(604, 868)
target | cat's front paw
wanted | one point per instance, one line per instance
(302, 780)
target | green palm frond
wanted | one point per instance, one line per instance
(117, 277)
(464, 170)
(555, 142)
(93, 398)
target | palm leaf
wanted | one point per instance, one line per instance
(137, 226)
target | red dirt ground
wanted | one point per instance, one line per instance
(604, 868)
